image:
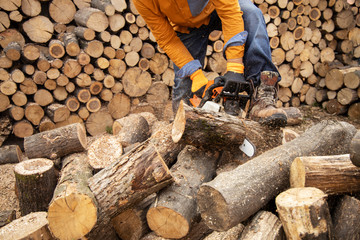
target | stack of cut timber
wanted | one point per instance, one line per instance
(84, 57)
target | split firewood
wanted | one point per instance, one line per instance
(331, 174)
(250, 196)
(35, 184)
(31, 226)
(10, 154)
(6, 217)
(264, 225)
(56, 143)
(220, 131)
(104, 151)
(131, 129)
(72, 211)
(131, 224)
(346, 218)
(57, 112)
(175, 208)
(355, 149)
(304, 213)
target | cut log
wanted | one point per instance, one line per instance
(131, 224)
(175, 209)
(136, 82)
(72, 103)
(346, 96)
(92, 18)
(13, 51)
(334, 107)
(35, 183)
(354, 149)
(57, 112)
(31, 226)
(34, 113)
(56, 48)
(220, 131)
(147, 169)
(46, 124)
(331, 174)
(62, 11)
(119, 106)
(117, 68)
(71, 44)
(10, 154)
(71, 68)
(104, 151)
(93, 105)
(19, 99)
(23, 129)
(72, 211)
(346, 218)
(131, 129)
(255, 185)
(4, 102)
(16, 113)
(99, 122)
(56, 143)
(84, 33)
(304, 213)
(264, 225)
(28, 86)
(39, 29)
(83, 95)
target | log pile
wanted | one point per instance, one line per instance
(60, 66)
(158, 188)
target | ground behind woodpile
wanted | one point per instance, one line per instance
(8, 199)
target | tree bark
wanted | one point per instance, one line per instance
(10, 154)
(56, 143)
(331, 174)
(355, 149)
(35, 183)
(264, 225)
(346, 218)
(261, 179)
(73, 211)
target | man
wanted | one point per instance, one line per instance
(182, 27)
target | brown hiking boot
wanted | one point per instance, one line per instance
(263, 106)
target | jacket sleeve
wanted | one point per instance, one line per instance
(163, 32)
(232, 26)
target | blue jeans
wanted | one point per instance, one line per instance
(257, 57)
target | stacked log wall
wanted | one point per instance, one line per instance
(57, 69)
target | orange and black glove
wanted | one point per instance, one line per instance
(198, 81)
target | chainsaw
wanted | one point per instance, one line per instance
(232, 97)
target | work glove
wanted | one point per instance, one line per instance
(232, 80)
(199, 81)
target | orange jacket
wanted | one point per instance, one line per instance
(164, 17)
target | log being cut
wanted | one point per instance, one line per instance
(224, 203)
(221, 131)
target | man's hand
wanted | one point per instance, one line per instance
(198, 80)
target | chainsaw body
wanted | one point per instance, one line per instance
(229, 96)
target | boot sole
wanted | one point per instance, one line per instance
(275, 120)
